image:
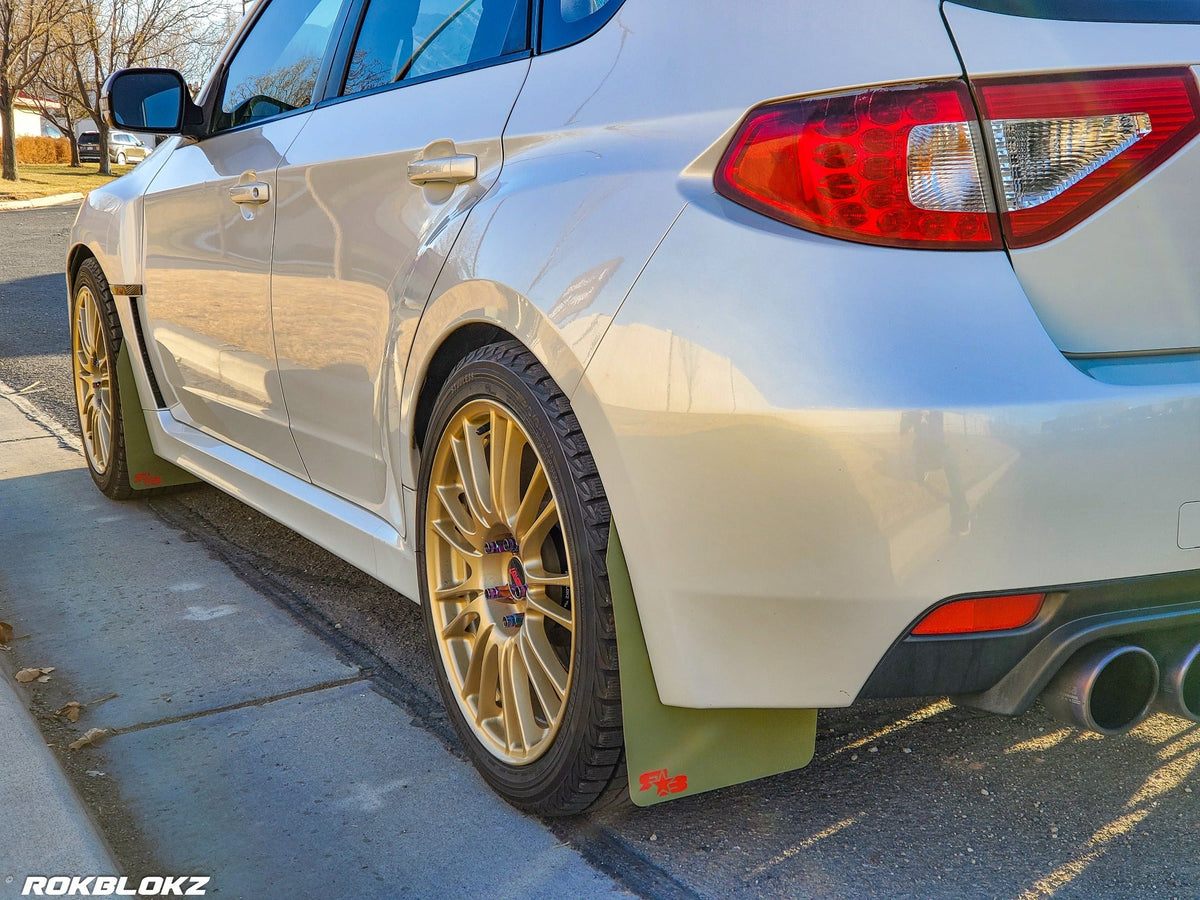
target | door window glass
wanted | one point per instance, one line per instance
(405, 39)
(275, 69)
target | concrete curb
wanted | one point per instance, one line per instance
(38, 202)
(45, 829)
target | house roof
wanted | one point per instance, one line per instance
(26, 100)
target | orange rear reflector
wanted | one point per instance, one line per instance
(982, 614)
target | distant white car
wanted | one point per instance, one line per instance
(869, 332)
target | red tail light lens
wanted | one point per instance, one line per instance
(894, 166)
(902, 166)
(1066, 145)
(977, 614)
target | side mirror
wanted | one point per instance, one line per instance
(150, 100)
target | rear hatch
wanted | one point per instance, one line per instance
(1111, 262)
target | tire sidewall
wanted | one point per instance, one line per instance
(489, 380)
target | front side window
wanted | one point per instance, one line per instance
(400, 40)
(275, 69)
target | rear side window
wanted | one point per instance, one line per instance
(403, 40)
(570, 21)
(275, 69)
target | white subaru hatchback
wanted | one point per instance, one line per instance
(694, 366)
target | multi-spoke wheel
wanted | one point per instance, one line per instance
(95, 343)
(514, 528)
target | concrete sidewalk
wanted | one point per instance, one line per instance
(241, 746)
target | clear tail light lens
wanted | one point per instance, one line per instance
(894, 166)
(1066, 145)
(903, 166)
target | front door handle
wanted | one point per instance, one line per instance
(444, 169)
(255, 193)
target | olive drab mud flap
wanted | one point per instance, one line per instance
(674, 752)
(145, 469)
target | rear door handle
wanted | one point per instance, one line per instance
(255, 193)
(444, 169)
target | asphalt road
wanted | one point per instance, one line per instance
(903, 799)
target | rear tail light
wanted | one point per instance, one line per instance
(978, 614)
(1067, 145)
(894, 166)
(904, 166)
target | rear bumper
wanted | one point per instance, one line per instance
(1004, 672)
(807, 444)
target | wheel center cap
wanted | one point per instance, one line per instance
(517, 582)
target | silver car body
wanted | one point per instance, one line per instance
(743, 384)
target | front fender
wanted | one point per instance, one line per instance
(109, 224)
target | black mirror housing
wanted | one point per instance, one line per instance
(155, 101)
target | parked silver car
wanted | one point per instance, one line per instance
(123, 147)
(693, 365)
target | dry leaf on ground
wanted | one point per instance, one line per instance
(37, 674)
(91, 738)
(72, 711)
(6, 633)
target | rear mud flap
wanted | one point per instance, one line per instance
(673, 752)
(145, 469)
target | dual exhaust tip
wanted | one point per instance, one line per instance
(1110, 686)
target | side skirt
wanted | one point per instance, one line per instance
(674, 752)
(361, 538)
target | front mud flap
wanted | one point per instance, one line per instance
(146, 470)
(674, 752)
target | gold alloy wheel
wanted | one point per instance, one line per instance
(499, 582)
(93, 379)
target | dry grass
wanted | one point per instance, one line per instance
(46, 181)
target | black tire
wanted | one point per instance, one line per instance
(583, 758)
(104, 449)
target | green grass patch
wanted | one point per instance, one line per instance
(46, 181)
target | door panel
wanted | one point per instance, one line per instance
(357, 249)
(207, 284)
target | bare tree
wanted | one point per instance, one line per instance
(55, 92)
(26, 38)
(55, 98)
(115, 34)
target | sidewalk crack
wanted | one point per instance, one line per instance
(363, 675)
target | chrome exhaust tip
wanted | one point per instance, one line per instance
(1106, 687)
(1179, 692)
